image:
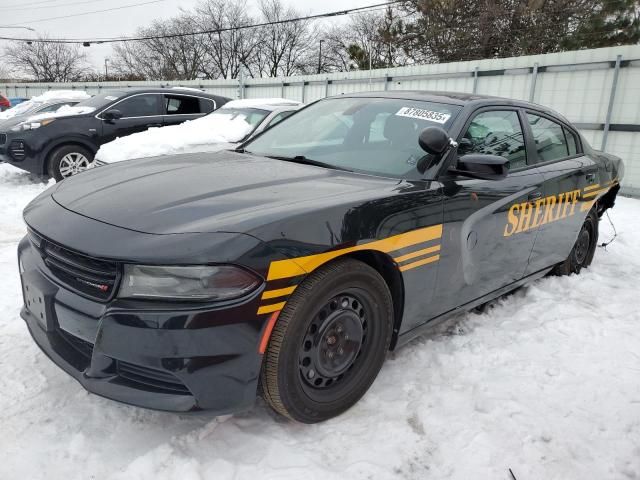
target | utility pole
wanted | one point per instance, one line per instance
(106, 69)
(320, 57)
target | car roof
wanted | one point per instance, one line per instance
(452, 98)
(268, 104)
(168, 90)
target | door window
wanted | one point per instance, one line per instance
(496, 132)
(572, 142)
(178, 105)
(139, 106)
(551, 143)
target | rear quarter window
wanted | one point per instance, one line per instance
(182, 105)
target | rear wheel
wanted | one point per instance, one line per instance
(329, 342)
(69, 160)
(584, 249)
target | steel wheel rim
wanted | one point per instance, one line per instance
(333, 342)
(582, 245)
(73, 163)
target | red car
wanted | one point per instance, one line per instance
(4, 103)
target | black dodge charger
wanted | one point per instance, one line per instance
(298, 260)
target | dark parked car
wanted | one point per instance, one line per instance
(300, 259)
(4, 103)
(63, 143)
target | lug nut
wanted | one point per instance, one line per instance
(311, 374)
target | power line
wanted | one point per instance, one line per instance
(349, 11)
(91, 13)
(26, 4)
(23, 7)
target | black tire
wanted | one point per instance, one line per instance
(324, 310)
(57, 156)
(583, 250)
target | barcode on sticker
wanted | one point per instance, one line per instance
(421, 114)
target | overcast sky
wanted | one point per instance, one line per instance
(34, 14)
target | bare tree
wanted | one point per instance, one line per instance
(369, 39)
(46, 62)
(285, 48)
(231, 46)
(169, 58)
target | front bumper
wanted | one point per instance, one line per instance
(171, 357)
(19, 153)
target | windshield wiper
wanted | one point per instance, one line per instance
(307, 161)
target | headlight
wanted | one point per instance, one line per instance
(199, 283)
(21, 127)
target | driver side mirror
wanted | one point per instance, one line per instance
(112, 114)
(435, 140)
(482, 166)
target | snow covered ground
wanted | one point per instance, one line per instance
(547, 383)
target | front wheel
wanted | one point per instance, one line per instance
(584, 249)
(329, 342)
(69, 160)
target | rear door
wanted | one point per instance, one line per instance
(569, 177)
(180, 108)
(488, 224)
(139, 112)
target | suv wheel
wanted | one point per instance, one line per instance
(69, 160)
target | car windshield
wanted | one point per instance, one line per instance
(252, 116)
(370, 135)
(100, 100)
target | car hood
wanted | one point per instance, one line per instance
(216, 192)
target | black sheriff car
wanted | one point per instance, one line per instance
(62, 143)
(297, 261)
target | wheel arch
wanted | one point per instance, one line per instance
(388, 270)
(63, 143)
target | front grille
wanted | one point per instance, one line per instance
(150, 377)
(90, 276)
(3, 138)
(81, 346)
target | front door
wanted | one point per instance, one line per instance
(489, 225)
(139, 112)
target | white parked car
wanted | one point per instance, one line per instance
(225, 128)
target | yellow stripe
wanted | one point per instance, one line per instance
(591, 187)
(271, 308)
(281, 292)
(302, 265)
(586, 206)
(595, 193)
(418, 253)
(419, 263)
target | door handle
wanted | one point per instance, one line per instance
(154, 125)
(591, 177)
(535, 195)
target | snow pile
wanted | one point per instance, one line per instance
(208, 133)
(78, 95)
(25, 107)
(546, 382)
(64, 111)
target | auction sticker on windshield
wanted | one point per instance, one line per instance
(421, 114)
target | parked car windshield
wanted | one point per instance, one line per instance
(100, 100)
(370, 135)
(253, 116)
